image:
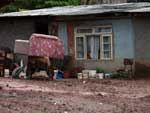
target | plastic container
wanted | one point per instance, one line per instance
(107, 75)
(66, 74)
(92, 73)
(85, 75)
(55, 74)
(6, 71)
(100, 75)
(79, 76)
(60, 75)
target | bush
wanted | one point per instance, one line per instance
(99, 70)
(120, 74)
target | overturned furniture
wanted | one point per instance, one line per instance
(38, 53)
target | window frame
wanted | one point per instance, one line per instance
(101, 34)
(84, 43)
(102, 47)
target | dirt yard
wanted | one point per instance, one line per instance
(74, 96)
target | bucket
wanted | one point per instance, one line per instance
(100, 75)
(107, 75)
(66, 74)
(60, 75)
(6, 72)
(92, 73)
(79, 76)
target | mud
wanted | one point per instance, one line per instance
(74, 96)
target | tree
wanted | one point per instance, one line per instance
(20, 5)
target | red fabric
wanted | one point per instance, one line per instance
(46, 45)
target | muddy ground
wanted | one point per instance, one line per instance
(74, 96)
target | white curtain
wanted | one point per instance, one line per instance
(93, 46)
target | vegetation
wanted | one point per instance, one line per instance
(99, 70)
(21, 5)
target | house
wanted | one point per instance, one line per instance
(94, 35)
(88, 2)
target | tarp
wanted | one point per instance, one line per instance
(46, 45)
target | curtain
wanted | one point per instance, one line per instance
(93, 46)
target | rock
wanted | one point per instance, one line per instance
(1, 87)
(84, 82)
(101, 94)
(64, 104)
(7, 85)
(69, 85)
(101, 103)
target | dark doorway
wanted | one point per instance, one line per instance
(41, 27)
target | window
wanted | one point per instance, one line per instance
(80, 47)
(94, 43)
(106, 47)
(93, 46)
(84, 30)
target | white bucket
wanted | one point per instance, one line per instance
(107, 75)
(85, 75)
(79, 76)
(6, 72)
(92, 73)
(100, 75)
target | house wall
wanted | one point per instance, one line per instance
(102, 1)
(122, 43)
(110, 1)
(142, 45)
(11, 29)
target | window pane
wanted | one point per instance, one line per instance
(106, 39)
(84, 30)
(103, 29)
(106, 29)
(98, 30)
(107, 54)
(93, 46)
(80, 47)
(107, 47)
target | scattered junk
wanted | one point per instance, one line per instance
(19, 72)
(55, 74)
(6, 72)
(128, 66)
(6, 59)
(126, 71)
(85, 74)
(79, 76)
(2, 61)
(59, 75)
(90, 74)
(99, 73)
(36, 55)
(107, 75)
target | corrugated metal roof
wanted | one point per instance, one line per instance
(83, 10)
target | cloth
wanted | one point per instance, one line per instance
(46, 45)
